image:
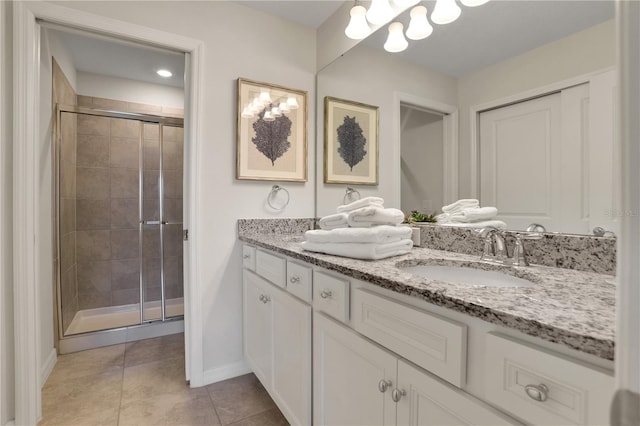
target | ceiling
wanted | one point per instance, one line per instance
(310, 13)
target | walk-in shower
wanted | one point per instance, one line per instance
(119, 234)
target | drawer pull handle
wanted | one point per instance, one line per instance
(325, 294)
(246, 256)
(383, 385)
(397, 394)
(537, 392)
(294, 279)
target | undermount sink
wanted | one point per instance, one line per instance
(467, 276)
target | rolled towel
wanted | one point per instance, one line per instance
(475, 214)
(461, 204)
(358, 204)
(372, 216)
(338, 220)
(477, 225)
(378, 235)
(361, 250)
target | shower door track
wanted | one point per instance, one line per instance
(144, 118)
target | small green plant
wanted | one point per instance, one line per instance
(417, 216)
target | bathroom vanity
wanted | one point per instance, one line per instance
(345, 341)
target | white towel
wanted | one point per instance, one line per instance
(477, 225)
(338, 220)
(361, 250)
(461, 204)
(372, 216)
(378, 235)
(358, 204)
(474, 214)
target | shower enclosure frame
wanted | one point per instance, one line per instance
(59, 331)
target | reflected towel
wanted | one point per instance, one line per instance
(482, 224)
(372, 216)
(378, 234)
(360, 250)
(470, 215)
(363, 202)
(334, 221)
(465, 203)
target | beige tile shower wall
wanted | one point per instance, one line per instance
(173, 148)
(63, 93)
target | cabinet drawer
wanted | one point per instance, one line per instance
(434, 343)
(271, 267)
(299, 281)
(569, 392)
(249, 257)
(331, 295)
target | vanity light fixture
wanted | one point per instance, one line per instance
(358, 27)
(247, 112)
(396, 41)
(405, 3)
(473, 3)
(445, 12)
(164, 73)
(419, 26)
(268, 116)
(275, 112)
(283, 107)
(265, 97)
(380, 12)
(292, 102)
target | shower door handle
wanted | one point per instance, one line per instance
(150, 222)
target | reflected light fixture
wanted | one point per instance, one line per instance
(283, 107)
(473, 3)
(419, 26)
(358, 27)
(445, 12)
(380, 12)
(409, 3)
(268, 116)
(265, 98)
(164, 73)
(275, 112)
(247, 112)
(292, 102)
(396, 41)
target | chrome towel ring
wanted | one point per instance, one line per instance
(273, 198)
(349, 196)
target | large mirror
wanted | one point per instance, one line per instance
(511, 104)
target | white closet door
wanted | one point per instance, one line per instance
(533, 158)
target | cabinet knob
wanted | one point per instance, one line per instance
(383, 385)
(537, 392)
(325, 294)
(246, 256)
(397, 394)
(266, 299)
(294, 279)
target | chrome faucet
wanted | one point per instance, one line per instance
(495, 247)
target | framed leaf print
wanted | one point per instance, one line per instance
(350, 142)
(272, 132)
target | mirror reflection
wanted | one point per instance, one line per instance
(512, 104)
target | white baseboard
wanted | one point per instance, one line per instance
(47, 368)
(225, 372)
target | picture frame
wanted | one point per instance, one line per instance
(350, 142)
(271, 147)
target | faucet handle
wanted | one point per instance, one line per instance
(528, 236)
(519, 254)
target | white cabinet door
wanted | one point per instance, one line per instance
(291, 386)
(429, 401)
(347, 371)
(258, 320)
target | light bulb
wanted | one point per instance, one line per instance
(292, 102)
(164, 73)
(405, 3)
(265, 98)
(419, 26)
(275, 111)
(283, 107)
(255, 106)
(247, 113)
(473, 3)
(396, 41)
(380, 12)
(445, 12)
(268, 116)
(358, 27)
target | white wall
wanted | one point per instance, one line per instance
(6, 217)
(422, 152)
(371, 77)
(587, 51)
(239, 42)
(102, 86)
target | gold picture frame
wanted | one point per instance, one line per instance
(350, 142)
(272, 148)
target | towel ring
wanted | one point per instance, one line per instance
(349, 197)
(273, 194)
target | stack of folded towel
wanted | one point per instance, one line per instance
(364, 229)
(467, 213)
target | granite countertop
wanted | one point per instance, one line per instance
(568, 307)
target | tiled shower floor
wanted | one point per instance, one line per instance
(142, 383)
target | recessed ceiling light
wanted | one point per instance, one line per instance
(165, 73)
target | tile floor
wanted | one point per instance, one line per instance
(142, 383)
